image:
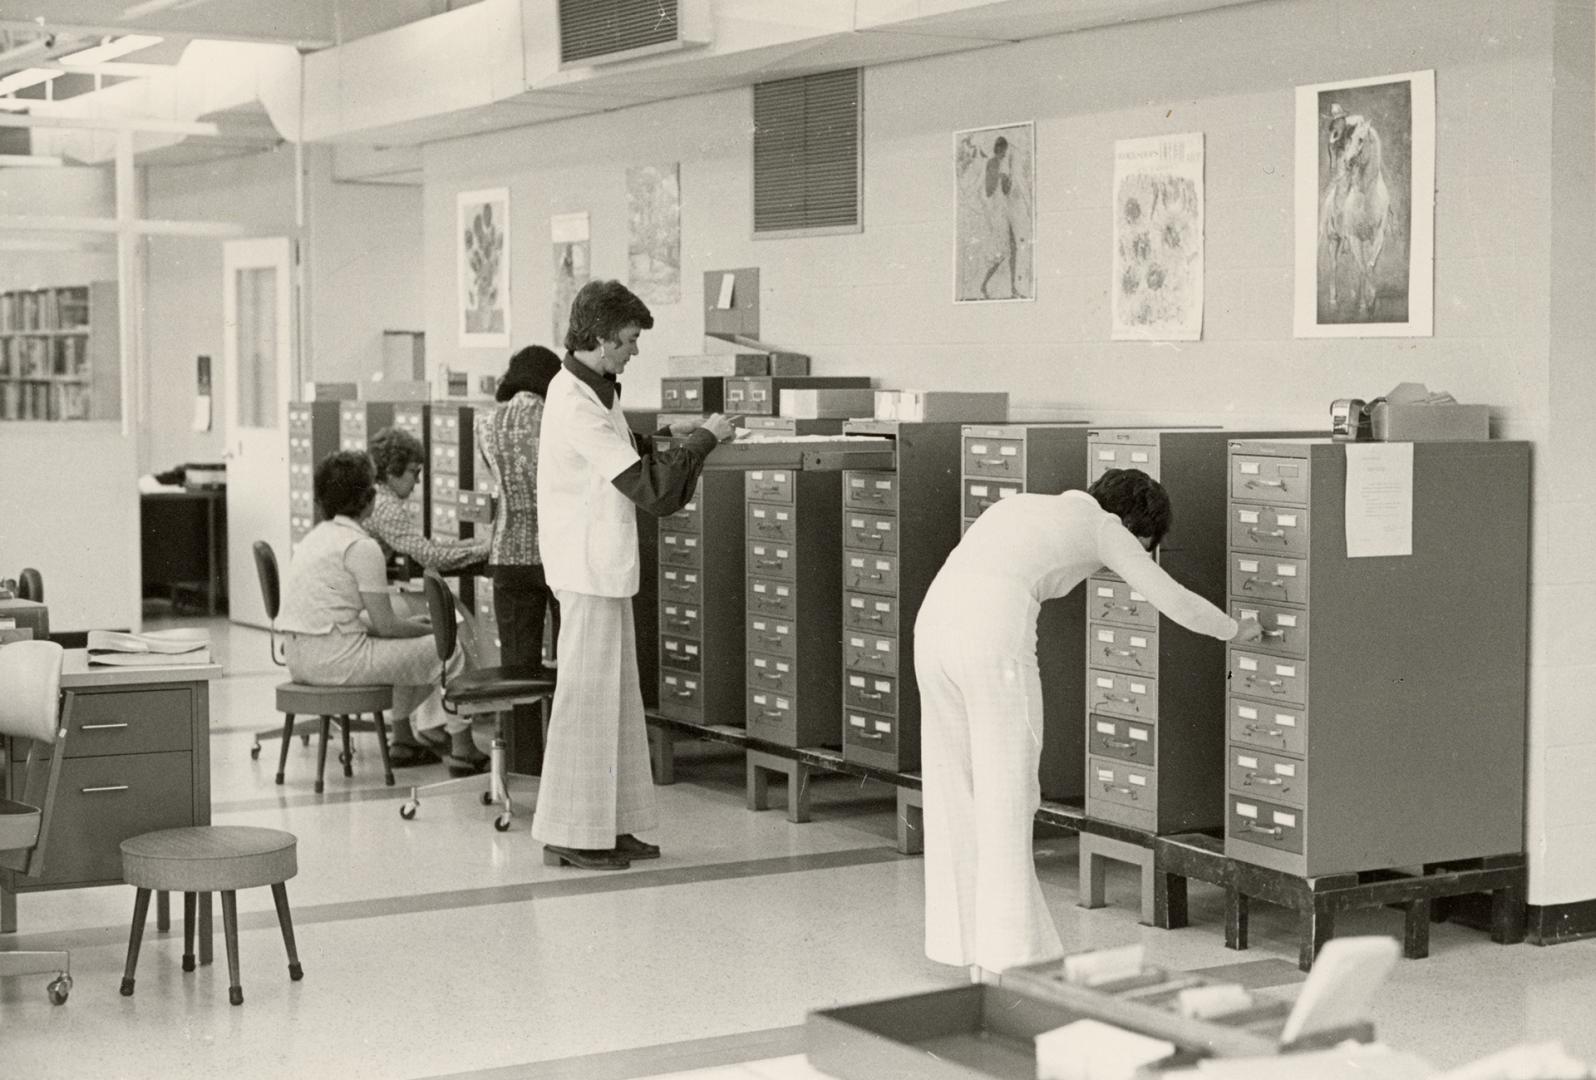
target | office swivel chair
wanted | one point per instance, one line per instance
(347, 703)
(30, 721)
(30, 585)
(471, 693)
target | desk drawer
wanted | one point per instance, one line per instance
(871, 573)
(1258, 527)
(1123, 456)
(865, 490)
(870, 652)
(1123, 648)
(1111, 600)
(676, 583)
(688, 519)
(103, 801)
(680, 549)
(774, 673)
(769, 485)
(1269, 479)
(1118, 694)
(878, 693)
(683, 654)
(1272, 678)
(867, 731)
(768, 634)
(1121, 783)
(1284, 628)
(1000, 457)
(676, 617)
(1256, 773)
(1127, 740)
(980, 494)
(863, 611)
(1269, 824)
(768, 521)
(1268, 726)
(1267, 577)
(681, 695)
(870, 532)
(771, 715)
(772, 559)
(772, 597)
(130, 722)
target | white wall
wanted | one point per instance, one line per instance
(879, 302)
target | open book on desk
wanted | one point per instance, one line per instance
(155, 648)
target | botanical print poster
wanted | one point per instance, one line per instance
(1158, 239)
(994, 172)
(572, 268)
(1365, 198)
(654, 251)
(483, 226)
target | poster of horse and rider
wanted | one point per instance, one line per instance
(1365, 202)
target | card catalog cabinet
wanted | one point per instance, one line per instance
(760, 395)
(884, 580)
(794, 606)
(1000, 460)
(358, 421)
(414, 417)
(451, 469)
(312, 435)
(1381, 721)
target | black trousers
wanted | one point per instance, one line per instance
(522, 600)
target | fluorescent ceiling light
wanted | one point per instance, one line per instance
(27, 77)
(110, 49)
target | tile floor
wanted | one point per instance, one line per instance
(440, 948)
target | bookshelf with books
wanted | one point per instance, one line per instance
(59, 353)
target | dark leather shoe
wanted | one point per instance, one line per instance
(633, 848)
(585, 858)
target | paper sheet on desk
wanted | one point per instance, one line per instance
(1349, 1061)
(1379, 499)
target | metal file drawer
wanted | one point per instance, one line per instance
(994, 456)
(1108, 599)
(680, 549)
(980, 494)
(1119, 694)
(680, 692)
(409, 418)
(1267, 725)
(301, 473)
(772, 635)
(864, 611)
(865, 490)
(681, 584)
(772, 597)
(679, 618)
(688, 519)
(772, 559)
(771, 715)
(445, 459)
(1258, 822)
(872, 573)
(301, 502)
(1122, 783)
(352, 419)
(130, 722)
(1276, 678)
(446, 488)
(875, 692)
(445, 427)
(769, 485)
(1122, 456)
(445, 519)
(1269, 479)
(767, 521)
(870, 532)
(1255, 772)
(1126, 740)
(870, 652)
(1258, 527)
(867, 731)
(683, 654)
(475, 507)
(750, 394)
(1268, 577)
(299, 420)
(301, 448)
(772, 673)
(683, 395)
(1285, 629)
(353, 442)
(1123, 648)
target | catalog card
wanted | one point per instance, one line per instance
(1379, 499)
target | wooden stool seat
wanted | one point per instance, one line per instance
(302, 699)
(198, 861)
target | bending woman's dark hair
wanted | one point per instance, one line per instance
(345, 483)
(1136, 499)
(531, 369)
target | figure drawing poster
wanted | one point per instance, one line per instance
(1365, 207)
(482, 228)
(654, 249)
(994, 171)
(1157, 286)
(572, 267)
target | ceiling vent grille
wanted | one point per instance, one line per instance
(807, 161)
(604, 31)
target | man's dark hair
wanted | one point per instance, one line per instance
(531, 369)
(1136, 499)
(601, 310)
(345, 484)
(393, 450)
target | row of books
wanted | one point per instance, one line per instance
(44, 309)
(42, 357)
(44, 400)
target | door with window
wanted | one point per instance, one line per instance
(258, 366)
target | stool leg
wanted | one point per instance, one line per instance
(235, 992)
(163, 911)
(321, 756)
(382, 747)
(344, 724)
(1169, 901)
(141, 910)
(206, 953)
(286, 921)
(1416, 930)
(1235, 918)
(188, 930)
(282, 755)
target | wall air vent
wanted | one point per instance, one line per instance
(604, 31)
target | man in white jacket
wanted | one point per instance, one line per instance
(981, 700)
(593, 474)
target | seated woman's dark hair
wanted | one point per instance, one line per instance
(393, 450)
(1136, 499)
(345, 484)
(601, 310)
(531, 369)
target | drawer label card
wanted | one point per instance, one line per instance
(1286, 570)
(1247, 810)
(1248, 517)
(1288, 671)
(856, 721)
(779, 477)
(691, 541)
(857, 564)
(883, 526)
(883, 686)
(1286, 521)
(978, 448)
(1249, 566)
(1105, 455)
(1105, 775)
(782, 628)
(1282, 769)
(759, 513)
(1246, 762)
(1137, 779)
(1137, 734)
(758, 474)
(884, 726)
(1139, 456)
(782, 515)
(883, 645)
(1138, 642)
(1246, 663)
(979, 490)
(1247, 614)
(1285, 620)
(853, 481)
(857, 523)
(1138, 597)
(855, 602)
(1138, 688)
(1004, 493)
(883, 564)
(1285, 719)
(1105, 635)
(782, 553)
(1106, 591)
(856, 642)
(882, 605)
(670, 680)
(1104, 684)
(856, 680)
(1288, 820)
(782, 590)
(759, 586)
(883, 485)
(1249, 468)
(761, 662)
(759, 549)
(692, 650)
(760, 699)
(670, 610)
(783, 703)
(1105, 728)
(690, 578)
(759, 624)
(691, 393)
(1009, 451)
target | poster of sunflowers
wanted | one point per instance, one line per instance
(483, 226)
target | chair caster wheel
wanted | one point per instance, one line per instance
(408, 810)
(254, 752)
(295, 972)
(502, 823)
(235, 994)
(487, 798)
(59, 988)
(344, 759)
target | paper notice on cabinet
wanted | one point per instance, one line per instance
(1379, 499)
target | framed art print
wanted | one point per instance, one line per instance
(994, 228)
(483, 234)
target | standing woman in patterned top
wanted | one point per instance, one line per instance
(508, 438)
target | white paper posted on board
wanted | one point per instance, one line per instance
(1379, 499)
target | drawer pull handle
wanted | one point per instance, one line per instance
(768, 489)
(874, 576)
(770, 676)
(101, 727)
(1281, 484)
(682, 693)
(1131, 653)
(992, 461)
(984, 503)
(771, 714)
(1272, 534)
(685, 624)
(1264, 729)
(1271, 583)
(1275, 832)
(1262, 781)
(768, 562)
(679, 556)
(1123, 699)
(109, 787)
(878, 735)
(1277, 685)
(871, 536)
(1122, 790)
(1274, 634)
(1129, 609)
(773, 639)
(769, 526)
(868, 696)
(681, 588)
(1120, 744)
(867, 658)
(765, 601)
